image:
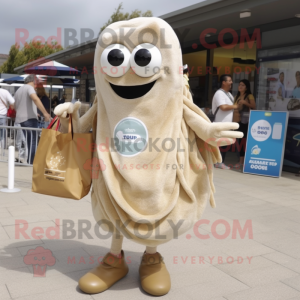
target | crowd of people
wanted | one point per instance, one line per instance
(30, 107)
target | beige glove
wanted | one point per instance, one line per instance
(63, 111)
(222, 134)
(216, 134)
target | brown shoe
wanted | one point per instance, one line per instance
(154, 276)
(99, 279)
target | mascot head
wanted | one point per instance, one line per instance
(138, 59)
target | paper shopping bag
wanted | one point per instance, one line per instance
(62, 166)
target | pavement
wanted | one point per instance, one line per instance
(261, 262)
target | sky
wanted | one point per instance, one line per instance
(44, 17)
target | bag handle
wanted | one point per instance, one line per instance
(232, 100)
(70, 127)
(54, 120)
(215, 114)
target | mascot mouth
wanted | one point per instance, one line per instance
(132, 91)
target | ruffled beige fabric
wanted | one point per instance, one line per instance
(146, 204)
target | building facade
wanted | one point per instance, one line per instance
(256, 40)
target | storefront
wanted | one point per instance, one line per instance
(254, 40)
(238, 61)
(278, 89)
(250, 39)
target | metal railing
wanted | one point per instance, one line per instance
(24, 139)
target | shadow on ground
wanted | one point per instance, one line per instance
(131, 281)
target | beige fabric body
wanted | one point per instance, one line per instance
(147, 202)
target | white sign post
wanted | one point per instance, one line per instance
(11, 172)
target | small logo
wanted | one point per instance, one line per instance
(255, 150)
(128, 138)
(57, 160)
(129, 130)
(39, 258)
(261, 130)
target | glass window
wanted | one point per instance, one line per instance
(197, 69)
(91, 91)
(278, 80)
(278, 89)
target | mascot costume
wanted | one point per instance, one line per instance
(149, 184)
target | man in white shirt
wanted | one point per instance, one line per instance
(6, 100)
(223, 107)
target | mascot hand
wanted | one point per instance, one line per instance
(221, 134)
(63, 111)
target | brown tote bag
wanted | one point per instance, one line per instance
(63, 164)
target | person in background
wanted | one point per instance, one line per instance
(26, 104)
(18, 135)
(63, 99)
(296, 91)
(40, 90)
(54, 103)
(11, 113)
(281, 87)
(6, 100)
(245, 101)
(55, 98)
(222, 108)
(186, 76)
(46, 103)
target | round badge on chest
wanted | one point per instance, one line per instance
(130, 137)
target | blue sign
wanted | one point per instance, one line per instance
(265, 143)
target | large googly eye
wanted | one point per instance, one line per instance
(145, 60)
(115, 60)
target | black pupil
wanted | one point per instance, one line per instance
(115, 57)
(142, 57)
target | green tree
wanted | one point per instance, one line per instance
(8, 65)
(31, 51)
(119, 16)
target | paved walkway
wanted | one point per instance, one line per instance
(265, 267)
